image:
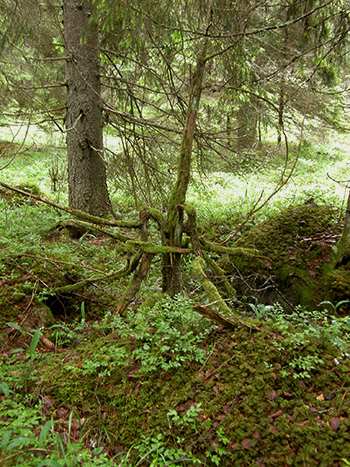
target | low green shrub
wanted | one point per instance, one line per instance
(160, 338)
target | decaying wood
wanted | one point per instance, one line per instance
(209, 288)
(213, 295)
(135, 283)
(213, 315)
(141, 272)
(142, 251)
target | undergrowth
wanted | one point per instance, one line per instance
(164, 386)
(303, 333)
(161, 338)
(171, 370)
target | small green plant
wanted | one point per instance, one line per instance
(335, 307)
(191, 421)
(189, 418)
(82, 310)
(159, 450)
(259, 309)
(33, 343)
(71, 333)
(163, 337)
(302, 366)
(27, 438)
(169, 334)
(301, 330)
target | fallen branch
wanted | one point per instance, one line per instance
(213, 295)
(210, 290)
(134, 284)
(234, 251)
(213, 315)
(125, 271)
(74, 212)
(220, 273)
(75, 223)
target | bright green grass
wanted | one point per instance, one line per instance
(219, 195)
(223, 195)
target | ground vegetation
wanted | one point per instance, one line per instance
(163, 383)
(206, 321)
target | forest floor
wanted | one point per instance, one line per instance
(164, 386)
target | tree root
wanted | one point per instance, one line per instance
(210, 290)
(214, 297)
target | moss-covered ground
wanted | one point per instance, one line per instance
(244, 405)
(164, 386)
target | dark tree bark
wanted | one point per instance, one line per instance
(86, 166)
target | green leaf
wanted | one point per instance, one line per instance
(17, 442)
(5, 389)
(16, 326)
(44, 431)
(82, 309)
(98, 451)
(34, 342)
(50, 463)
(342, 302)
(5, 439)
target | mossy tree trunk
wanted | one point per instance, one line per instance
(174, 226)
(342, 255)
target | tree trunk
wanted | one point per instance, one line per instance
(280, 113)
(173, 234)
(342, 255)
(86, 167)
(247, 123)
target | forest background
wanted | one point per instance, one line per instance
(162, 161)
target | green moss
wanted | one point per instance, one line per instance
(293, 249)
(339, 282)
(150, 301)
(237, 392)
(211, 291)
(243, 392)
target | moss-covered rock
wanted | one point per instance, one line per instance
(339, 285)
(295, 247)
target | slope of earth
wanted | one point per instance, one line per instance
(165, 386)
(168, 387)
(295, 248)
